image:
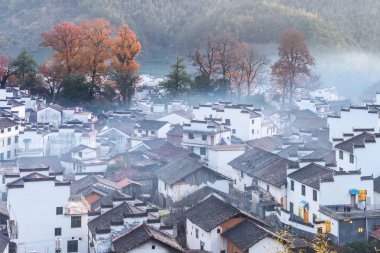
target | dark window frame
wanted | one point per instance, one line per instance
(76, 221)
(72, 246)
(303, 190)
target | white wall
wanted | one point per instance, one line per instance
(147, 247)
(267, 245)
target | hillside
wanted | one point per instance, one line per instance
(176, 26)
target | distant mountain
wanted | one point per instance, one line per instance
(176, 26)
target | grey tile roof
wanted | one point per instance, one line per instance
(102, 223)
(167, 152)
(4, 241)
(210, 213)
(199, 195)
(155, 143)
(81, 184)
(80, 147)
(5, 123)
(33, 177)
(176, 130)
(245, 234)
(269, 143)
(150, 124)
(263, 165)
(141, 234)
(179, 169)
(51, 162)
(356, 141)
(312, 174)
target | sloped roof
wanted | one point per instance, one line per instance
(356, 141)
(150, 124)
(211, 212)
(179, 169)
(32, 177)
(245, 234)
(114, 215)
(51, 162)
(4, 241)
(311, 175)
(141, 234)
(268, 143)
(5, 123)
(83, 183)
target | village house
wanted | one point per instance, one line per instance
(145, 238)
(179, 117)
(61, 220)
(348, 121)
(199, 135)
(83, 159)
(317, 105)
(261, 169)
(359, 153)
(180, 177)
(244, 121)
(56, 115)
(151, 128)
(117, 217)
(9, 138)
(215, 226)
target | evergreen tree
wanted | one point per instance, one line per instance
(178, 81)
(25, 68)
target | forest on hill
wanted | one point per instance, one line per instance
(165, 27)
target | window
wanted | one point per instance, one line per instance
(139, 131)
(233, 131)
(2, 131)
(253, 121)
(72, 246)
(9, 129)
(303, 190)
(9, 141)
(57, 231)
(59, 210)
(351, 158)
(253, 131)
(241, 174)
(291, 207)
(76, 221)
(8, 154)
(4, 196)
(152, 132)
(340, 154)
(16, 127)
(360, 230)
(218, 231)
(228, 121)
(202, 151)
(267, 187)
(80, 154)
(3, 179)
(204, 137)
(153, 246)
(196, 233)
(292, 185)
(16, 139)
(2, 156)
(191, 136)
(315, 198)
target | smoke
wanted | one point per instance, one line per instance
(351, 73)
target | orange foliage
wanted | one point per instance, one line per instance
(65, 39)
(96, 43)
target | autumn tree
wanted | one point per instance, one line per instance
(65, 40)
(226, 55)
(253, 65)
(178, 81)
(293, 65)
(205, 59)
(6, 71)
(124, 67)
(53, 76)
(96, 43)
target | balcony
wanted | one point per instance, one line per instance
(343, 212)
